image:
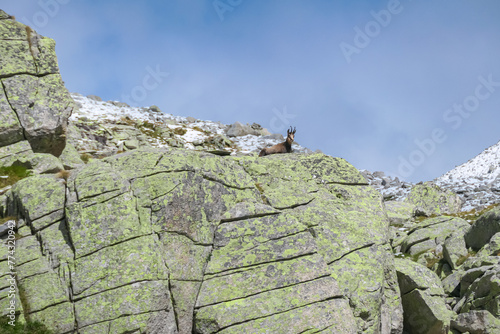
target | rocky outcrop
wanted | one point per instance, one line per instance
(185, 241)
(34, 102)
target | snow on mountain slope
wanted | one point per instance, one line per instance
(485, 167)
(103, 128)
(477, 180)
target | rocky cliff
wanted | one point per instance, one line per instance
(185, 241)
(148, 222)
(35, 105)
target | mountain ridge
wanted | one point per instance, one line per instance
(476, 181)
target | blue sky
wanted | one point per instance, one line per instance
(411, 88)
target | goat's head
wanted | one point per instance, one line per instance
(290, 134)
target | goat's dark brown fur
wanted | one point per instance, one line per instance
(285, 147)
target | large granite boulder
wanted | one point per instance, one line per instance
(484, 229)
(177, 241)
(476, 322)
(431, 200)
(34, 104)
(400, 212)
(422, 294)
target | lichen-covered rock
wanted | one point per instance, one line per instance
(492, 248)
(430, 200)
(476, 322)
(451, 283)
(70, 158)
(41, 163)
(483, 229)
(21, 154)
(399, 212)
(455, 249)
(431, 233)
(11, 131)
(35, 105)
(425, 313)
(480, 289)
(39, 199)
(412, 275)
(161, 240)
(10, 154)
(350, 228)
(423, 299)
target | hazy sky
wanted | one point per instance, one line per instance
(411, 88)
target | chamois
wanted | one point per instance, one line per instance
(285, 147)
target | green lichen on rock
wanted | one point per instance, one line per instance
(11, 153)
(17, 57)
(261, 278)
(431, 200)
(35, 104)
(483, 229)
(373, 289)
(185, 259)
(31, 194)
(327, 169)
(43, 106)
(41, 291)
(10, 129)
(70, 158)
(422, 294)
(283, 183)
(399, 212)
(184, 294)
(168, 238)
(349, 218)
(245, 252)
(261, 229)
(114, 266)
(332, 316)
(58, 319)
(269, 303)
(133, 299)
(425, 313)
(96, 226)
(10, 29)
(432, 232)
(412, 275)
(476, 322)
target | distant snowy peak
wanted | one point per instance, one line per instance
(484, 167)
